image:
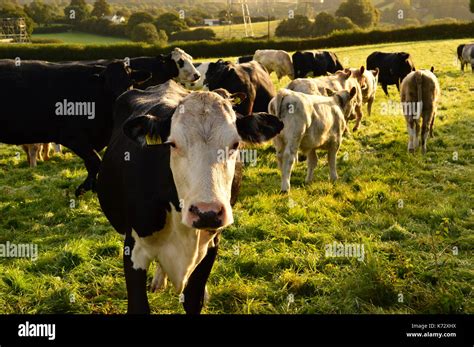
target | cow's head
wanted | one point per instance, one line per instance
(205, 137)
(118, 78)
(343, 99)
(184, 62)
(405, 65)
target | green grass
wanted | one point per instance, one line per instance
(276, 245)
(238, 30)
(84, 38)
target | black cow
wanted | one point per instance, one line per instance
(175, 65)
(459, 51)
(393, 67)
(164, 184)
(319, 63)
(244, 59)
(249, 78)
(69, 104)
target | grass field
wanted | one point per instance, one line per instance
(238, 30)
(84, 38)
(413, 215)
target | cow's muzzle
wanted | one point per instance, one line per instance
(207, 215)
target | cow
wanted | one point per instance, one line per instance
(393, 67)
(278, 61)
(69, 104)
(177, 65)
(244, 59)
(459, 52)
(368, 80)
(310, 122)
(419, 94)
(341, 80)
(249, 78)
(318, 63)
(467, 56)
(35, 151)
(199, 83)
(172, 197)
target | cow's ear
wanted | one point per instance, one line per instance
(143, 130)
(258, 127)
(432, 69)
(353, 92)
(140, 76)
(329, 92)
(362, 69)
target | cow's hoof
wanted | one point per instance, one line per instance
(80, 191)
(355, 128)
(411, 150)
(283, 192)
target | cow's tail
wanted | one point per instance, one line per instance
(419, 95)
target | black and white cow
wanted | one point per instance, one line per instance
(393, 67)
(177, 65)
(249, 78)
(69, 104)
(467, 56)
(318, 63)
(164, 185)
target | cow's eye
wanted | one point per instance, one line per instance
(235, 146)
(181, 63)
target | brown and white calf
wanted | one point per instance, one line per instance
(420, 93)
(368, 80)
(310, 122)
(36, 151)
(275, 60)
(341, 80)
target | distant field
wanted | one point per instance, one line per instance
(83, 38)
(238, 30)
(412, 213)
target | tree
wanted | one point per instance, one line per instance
(170, 23)
(101, 8)
(146, 32)
(76, 12)
(40, 12)
(471, 6)
(325, 23)
(12, 10)
(294, 27)
(138, 18)
(360, 12)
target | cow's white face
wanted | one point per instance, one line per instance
(184, 63)
(199, 84)
(203, 130)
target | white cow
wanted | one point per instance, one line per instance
(275, 60)
(368, 80)
(310, 122)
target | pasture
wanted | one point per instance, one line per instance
(81, 38)
(413, 215)
(238, 30)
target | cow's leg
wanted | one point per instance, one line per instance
(91, 161)
(398, 86)
(195, 291)
(427, 117)
(33, 154)
(288, 160)
(236, 182)
(135, 280)
(384, 88)
(312, 162)
(279, 148)
(411, 136)
(332, 153)
(45, 151)
(369, 105)
(359, 114)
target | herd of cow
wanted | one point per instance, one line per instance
(161, 183)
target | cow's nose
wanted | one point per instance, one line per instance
(207, 215)
(197, 76)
